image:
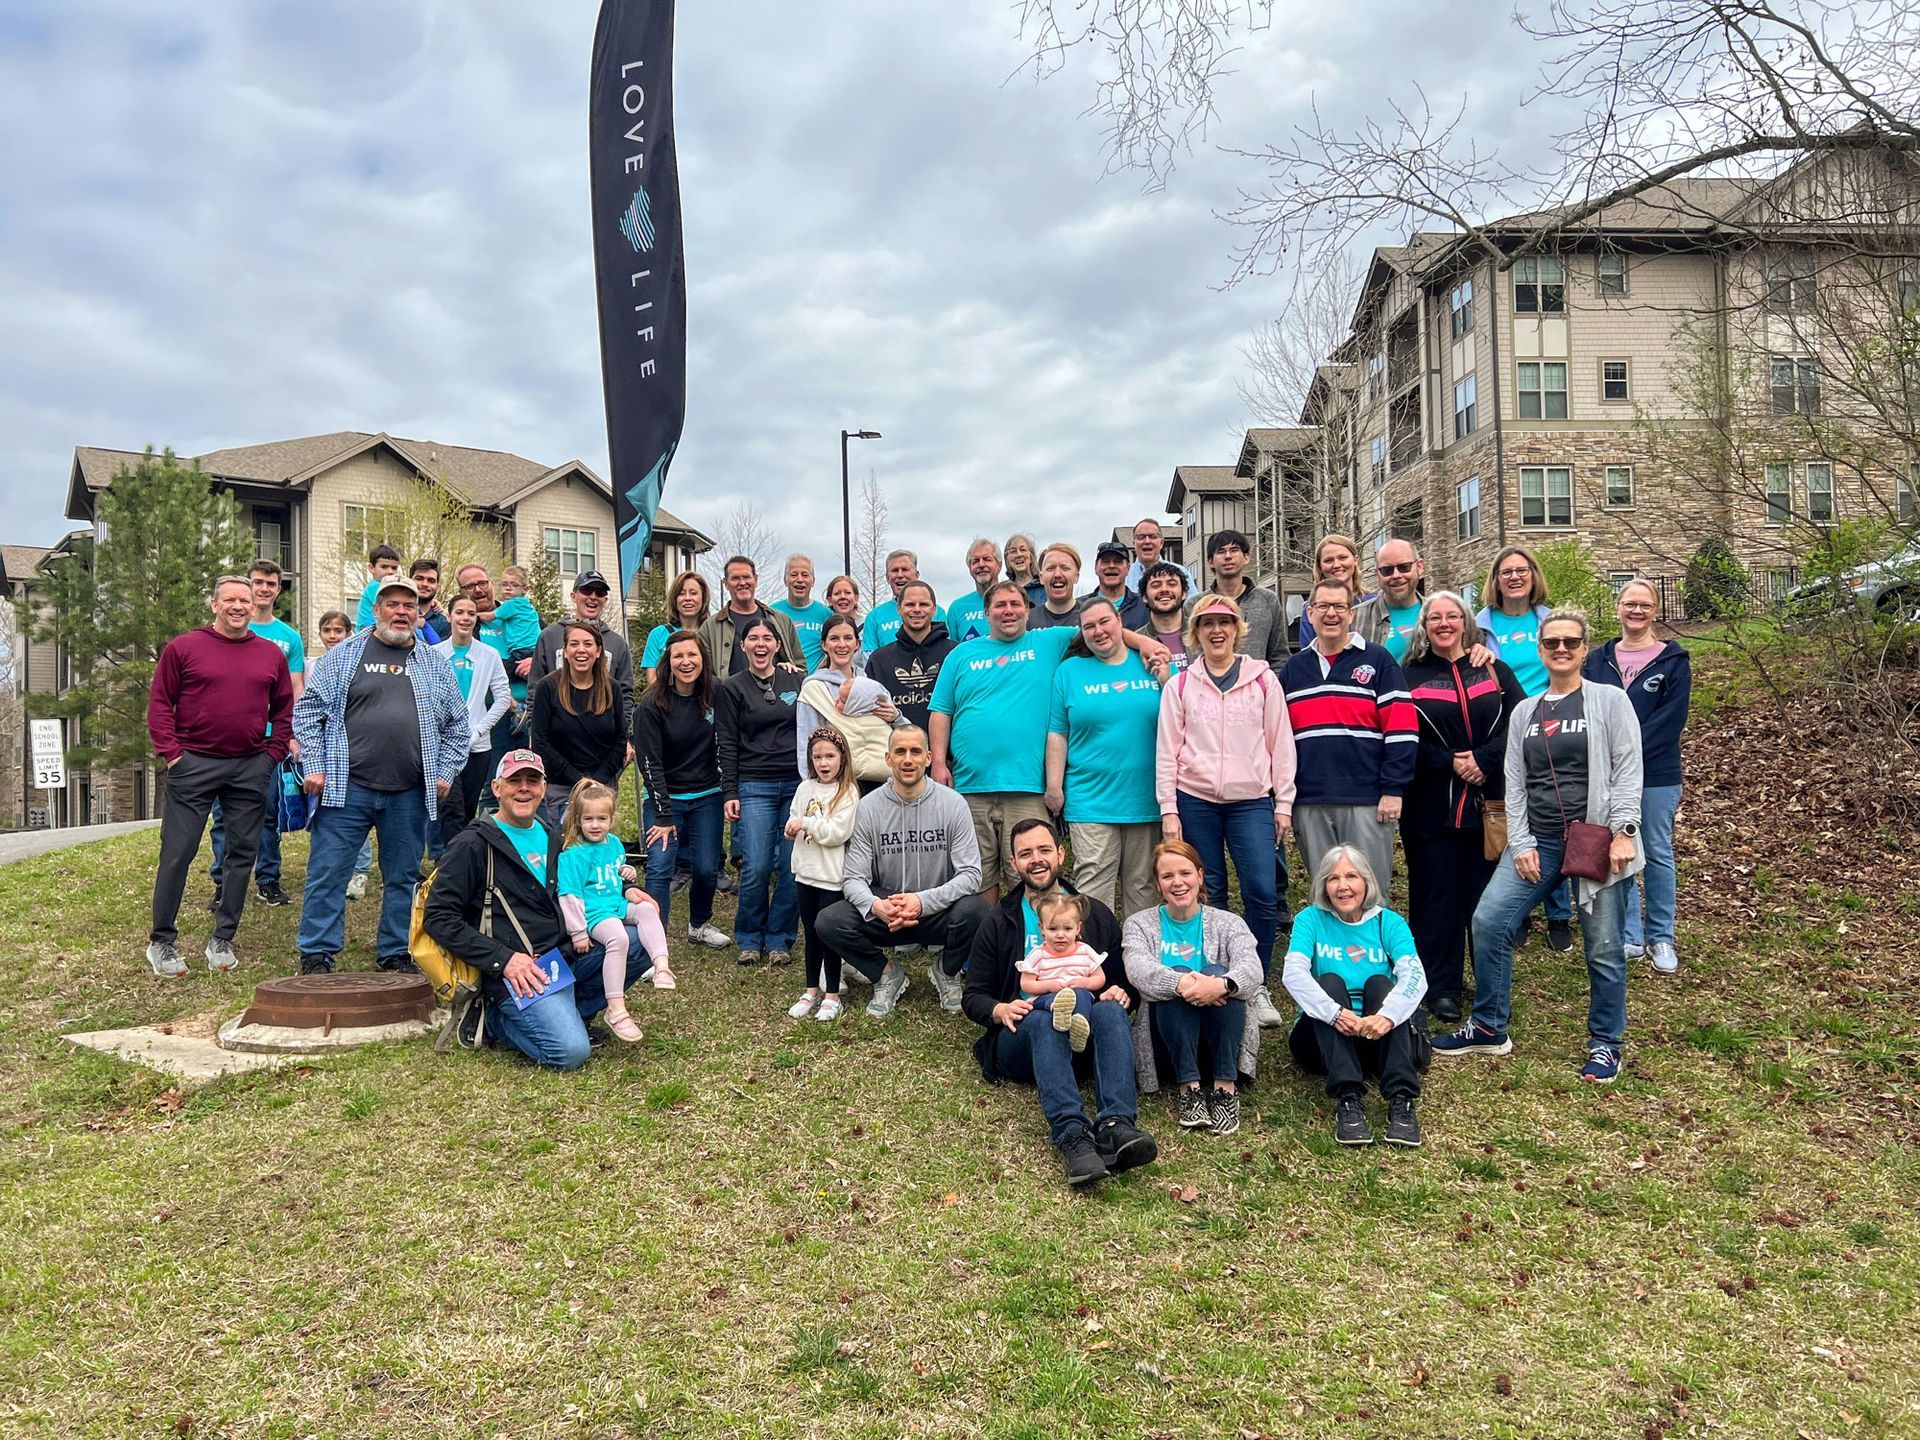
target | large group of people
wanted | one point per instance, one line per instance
(912, 781)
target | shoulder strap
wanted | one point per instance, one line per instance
(486, 911)
(1546, 745)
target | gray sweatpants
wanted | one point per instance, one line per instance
(1319, 828)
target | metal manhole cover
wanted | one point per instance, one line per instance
(339, 1002)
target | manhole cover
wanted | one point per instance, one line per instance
(339, 1002)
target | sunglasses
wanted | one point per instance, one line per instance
(1561, 642)
(1405, 569)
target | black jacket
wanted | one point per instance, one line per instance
(1459, 708)
(582, 744)
(1000, 944)
(458, 890)
(909, 668)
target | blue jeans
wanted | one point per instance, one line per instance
(768, 910)
(553, 1032)
(1244, 827)
(363, 862)
(1657, 806)
(399, 818)
(1036, 1054)
(266, 861)
(697, 825)
(1180, 1027)
(1505, 903)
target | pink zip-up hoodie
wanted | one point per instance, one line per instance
(1224, 747)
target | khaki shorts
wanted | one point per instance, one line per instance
(994, 816)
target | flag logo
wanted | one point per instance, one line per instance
(637, 223)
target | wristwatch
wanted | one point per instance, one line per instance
(1233, 987)
(1630, 829)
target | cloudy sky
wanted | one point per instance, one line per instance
(236, 222)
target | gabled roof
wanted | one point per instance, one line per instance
(1272, 440)
(1202, 480)
(19, 562)
(665, 522)
(1327, 379)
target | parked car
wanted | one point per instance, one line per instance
(1890, 586)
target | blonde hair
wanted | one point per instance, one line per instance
(1568, 615)
(1207, 602)
(584, 793)
(1351, 546)
(1056, 900)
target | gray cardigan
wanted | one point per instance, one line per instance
(1613, 776)
(1225, 939)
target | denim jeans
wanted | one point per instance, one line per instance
(266, 860)
(553, 1032)
(697, 825)
(1657, 806)
(768, 910)
(1180, 1027)
(1244, 828)
(399, 818)
(1036, 1054)
(1505, 903)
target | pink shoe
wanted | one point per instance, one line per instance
(663, 978)
(621, 1024)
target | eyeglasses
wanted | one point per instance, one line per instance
(1521, 574)
(1406, 569)
(1561, 642)
(1635, 605)
(1229, 550)
(1329, 607)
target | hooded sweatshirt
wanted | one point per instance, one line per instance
(924, 847)
(1661, 694)
(1222, 747)
(909, 667)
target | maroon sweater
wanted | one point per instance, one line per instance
(216, 696)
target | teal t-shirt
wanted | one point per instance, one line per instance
(1182, 943)
(363, 617)
(1399, 630)
(1032, 922)
(807, 620)
(1518, 642)
(656, 650)
(515, 625)
(1110, 715)
(1356, 953)
(287, 638)
(530, 841)
(967, 616)
(461, 658)
(998, 692)
(592, 872)
(883, 623)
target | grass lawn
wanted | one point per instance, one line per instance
(748, 1226)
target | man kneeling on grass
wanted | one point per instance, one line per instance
(493, 905)
(1027, 1039)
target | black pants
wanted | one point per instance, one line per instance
(1319, 1049)
(194, 782)
(462, 803)
(1445, 875)
(863, 943)
(823, 961)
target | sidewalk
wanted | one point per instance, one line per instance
(20, 844)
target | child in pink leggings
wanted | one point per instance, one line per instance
(598, 901)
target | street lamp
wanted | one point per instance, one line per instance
(846, 499)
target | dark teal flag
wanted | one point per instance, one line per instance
(638, 262)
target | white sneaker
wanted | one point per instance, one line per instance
(1634, 952)
(829, 1008)
(164, 957)
(948, 987)
(220, 955)
(1264, 1015)
(887, 990)
(357, 888)
(663, 978)
(802, 1007)
(710, 936)
(1665, 961)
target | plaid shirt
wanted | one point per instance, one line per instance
(320, 717)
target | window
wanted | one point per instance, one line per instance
(1192, 522)
(1409, 523)
(571, 552)
(363, 527)
(1543, 390)
(1779, 483)
(1546, 495)
(1903, 502)
(1539, 286)
(1461, 304)
(1467, 519)
(1610, 274)
(1465, 411)
(270, 536)
(1790, 282)
(1795, 380)
(1613, 380)
(1376, 375)
(1909, 288)
(1379, 459)
(1617, 579)
(1619, 486)
(1820, 491)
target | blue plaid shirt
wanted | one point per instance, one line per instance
(320, 717)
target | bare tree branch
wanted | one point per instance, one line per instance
(744, 531)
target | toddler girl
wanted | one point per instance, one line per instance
(1064, 965)
(597, 903)
(820, 824)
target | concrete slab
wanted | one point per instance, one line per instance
(196, 1059)
(285, 1040)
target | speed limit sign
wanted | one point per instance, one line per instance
(49, 755)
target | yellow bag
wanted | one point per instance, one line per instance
(456, 984)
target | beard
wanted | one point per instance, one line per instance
(386, 635)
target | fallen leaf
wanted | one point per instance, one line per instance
(168, 1102)
(1185, 1194)
(949, 1200)
(1420, 1376)
(1503, 1384)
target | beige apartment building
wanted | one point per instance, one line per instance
(315, 504)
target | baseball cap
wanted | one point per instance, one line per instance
(592, 579)
(1112, 547)
(517, 760)
(397, 582)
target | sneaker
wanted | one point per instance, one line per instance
(1223, 1110)
(1124, 1145)
(948, 987)
(777, 958)
(1472, 1038)
(316, 964)
(710, 935)
(887, 991)
(829, 1009)
(1264, 1013)
(1403, 1126)
(1081, 1157)
(1191, 1108)
(401, 964)
(1665, 960)
(213, 901)
(1634, 950)
(597, 1034)
(663, 977)
(1350, 1122)
(748, 957)
(271, 894)
(164, 957)
(802, 1007)
(471, 1033)
(220, 955)
(1079, 1032)
(1560, 935)
(681, 880)
(1447, 1010)
(1062, 1008)
(623, 1027)
(357, 888)
(724, 885)
(1603, 1065)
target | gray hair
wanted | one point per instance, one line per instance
(980, 540)
(214, 594)
(1419, 646)
(1571, 615)
(893, 555)
(1033, 549)
(787, 564)
(1351, 854)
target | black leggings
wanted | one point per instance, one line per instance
(1319, 1049)
(461, 807)
(823, 962)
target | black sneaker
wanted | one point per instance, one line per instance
(398, 965)
(316, 964)
(724, 885)
(1403, 1126)
(1559, 935)
(469, 1031)
(272, 894)
(1447, 1010)
(681, 881)
(1223, 1108)
(1123, 1145)
(1350, 1122)
(213, 901)
(598, 1034)
(1082, 1159)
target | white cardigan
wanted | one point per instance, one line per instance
(490, 695)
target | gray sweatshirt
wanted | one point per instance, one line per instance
(923, 847)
